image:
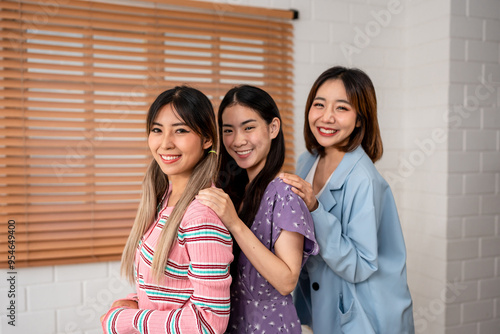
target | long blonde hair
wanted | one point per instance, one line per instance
(195, 109)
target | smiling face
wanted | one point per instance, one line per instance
(247, 137)
(331, 117)
(175, 146)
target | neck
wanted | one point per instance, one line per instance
(333, 156)
(178, 185)
(251, 175)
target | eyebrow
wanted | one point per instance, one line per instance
(175, 124)
(323, 99)
(242, 123)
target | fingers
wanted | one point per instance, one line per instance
(208, 193)
(215, 199)
(289, 177)
(302, 188)
(296, 181)
(212, 195)
(298, 192)
(125, 303)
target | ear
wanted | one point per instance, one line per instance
(206, 143)
(274, 127)
(358, 123)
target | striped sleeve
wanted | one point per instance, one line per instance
(209, 246)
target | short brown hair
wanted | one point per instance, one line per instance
(361, 94)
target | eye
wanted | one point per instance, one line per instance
(182, 130)
(228, 131)
(155, 130)
(318, 105)
(248, 128)
(343, 108)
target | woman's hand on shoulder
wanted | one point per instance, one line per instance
(217, 200)
(302, 188)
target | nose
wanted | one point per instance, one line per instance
(329, 115)
(167, 142)
(239, 139)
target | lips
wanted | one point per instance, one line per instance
(243, 154)
(327, 132)
(169, 159)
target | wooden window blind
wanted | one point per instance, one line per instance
(77, 80)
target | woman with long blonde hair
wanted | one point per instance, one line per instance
(178, 252)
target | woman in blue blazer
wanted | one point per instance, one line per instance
(357, 284)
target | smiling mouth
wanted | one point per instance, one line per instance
(325, 131)
(243, 153)
(169, 158)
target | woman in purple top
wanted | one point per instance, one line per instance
(272, 227)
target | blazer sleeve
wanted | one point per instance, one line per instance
(350, 250)
(209, 245)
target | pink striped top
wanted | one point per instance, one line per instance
(194, 295)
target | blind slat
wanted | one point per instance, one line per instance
(17, 38)
(68, 178)
(85, 207)
(118, 161)
(96, 26)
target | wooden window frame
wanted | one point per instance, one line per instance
(77, 80)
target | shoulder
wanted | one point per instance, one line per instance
(365, 172)
(281, 192)
(201, 224)
(304, 158)
(197, 213)
(277, 186)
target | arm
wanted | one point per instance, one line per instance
(130, 301)
(281, 269)
(207, 311)
(353, 253)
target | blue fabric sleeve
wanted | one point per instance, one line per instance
(351, 253)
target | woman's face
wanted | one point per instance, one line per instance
(175, 146)
(331, 117)
(247, 137)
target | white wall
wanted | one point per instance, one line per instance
(473, 250)
(425, 59)
(421, 178)
(63, 299)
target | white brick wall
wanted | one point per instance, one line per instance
(478, 249)
(426, 60)
(64, 299)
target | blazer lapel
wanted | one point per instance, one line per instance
(326, 198)
(338, 178)
(303, 167)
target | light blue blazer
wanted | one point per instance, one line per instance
(357, 284)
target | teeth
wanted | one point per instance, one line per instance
(327, 131)
(243, 152)
(169, 157)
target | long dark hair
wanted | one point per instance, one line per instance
(361, 94)
(232, 178)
